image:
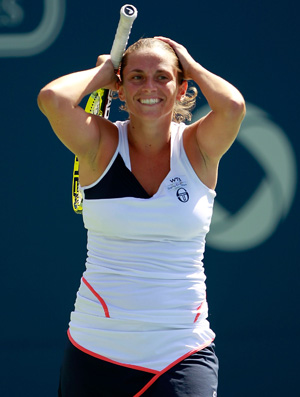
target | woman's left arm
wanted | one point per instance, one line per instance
(216, 131)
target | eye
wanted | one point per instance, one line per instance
(136, 77)
(162, 77)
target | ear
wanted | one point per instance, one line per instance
(121, 92)
(182, 90)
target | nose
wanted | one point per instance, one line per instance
(149, 85)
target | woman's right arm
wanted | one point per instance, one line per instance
(59, 101)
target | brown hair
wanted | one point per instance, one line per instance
(182, 109)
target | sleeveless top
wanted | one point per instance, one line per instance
(142, 298)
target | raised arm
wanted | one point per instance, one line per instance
(60, 99)
(216, 131)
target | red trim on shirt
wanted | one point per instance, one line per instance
(146, 387)
(105, 308)
(83, 349)
(152, 371)
(198, 314)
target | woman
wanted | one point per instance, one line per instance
(140, 326)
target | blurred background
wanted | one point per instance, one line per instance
(252, 255)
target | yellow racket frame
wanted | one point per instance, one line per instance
(99, 104)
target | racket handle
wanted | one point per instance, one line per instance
(128, 14)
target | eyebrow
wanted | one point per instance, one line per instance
(142, 71)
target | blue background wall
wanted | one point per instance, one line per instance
(251, 261)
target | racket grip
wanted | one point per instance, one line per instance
(128, 14)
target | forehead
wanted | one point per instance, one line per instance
(150, 58)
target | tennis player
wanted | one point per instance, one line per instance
(139, 326)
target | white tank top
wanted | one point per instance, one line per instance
(142, 299)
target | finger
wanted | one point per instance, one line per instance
(172, 43)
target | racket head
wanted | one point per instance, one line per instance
(97, 104)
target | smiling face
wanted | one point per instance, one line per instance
(150, 84)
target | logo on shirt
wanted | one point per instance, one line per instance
(176, 182)
(182, 195)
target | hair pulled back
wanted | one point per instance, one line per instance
(182, 109)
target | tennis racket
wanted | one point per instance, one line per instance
(99, 102)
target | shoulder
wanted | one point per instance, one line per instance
(109, 132)
(205, 170)
(97, 159)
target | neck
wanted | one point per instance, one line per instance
(149, 137)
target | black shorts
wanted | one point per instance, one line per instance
(83, 375)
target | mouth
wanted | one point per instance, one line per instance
(149, 101)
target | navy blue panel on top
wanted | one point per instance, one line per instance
(118, 182)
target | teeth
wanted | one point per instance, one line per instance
(149, 101)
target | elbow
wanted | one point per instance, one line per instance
(235, 108)
(46, 99)
(51, 101)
